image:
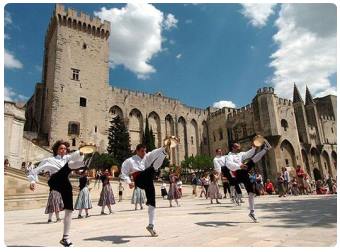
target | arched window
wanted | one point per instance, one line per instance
(73, 128)
(284, 124)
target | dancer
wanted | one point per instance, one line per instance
(54, 205)
(83, 200)
(120, 191)
(234, 163)
(143, 166)
(138, 197)
(163, 189)
(59, 166)
(106, 195)
(174, 193)
(213, 190)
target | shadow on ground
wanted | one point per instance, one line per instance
(116, 239)
(219, 223)
(292, 213)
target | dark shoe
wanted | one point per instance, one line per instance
(252, 216)
(80, 217)
(65, 243)
(87, 216)
(49, 221)
(152, 231)
(102, 213)
(110, 212)
(58, 220)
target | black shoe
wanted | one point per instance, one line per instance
(80, 217)
(152, 231)
(49, 221)
(65, 243)
(252, 216)
(102, 213)
(58, 220)
(87, 216)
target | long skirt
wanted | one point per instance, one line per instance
(174, 193)
(138, 196)
(213, 191)
(54, 203)
(106, 196)
(83, 201)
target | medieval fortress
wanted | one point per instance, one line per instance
(75, 102)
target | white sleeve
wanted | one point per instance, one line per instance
(156, 157)
(248, 154)
(231, 164)
(75, 160)
(125, 171)
(44, 165)
(217, 166)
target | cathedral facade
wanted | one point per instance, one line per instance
(75, 102)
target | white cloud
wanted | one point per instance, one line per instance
(8, 18)
(258, 14)
(11, 95)
(10, 61)
(306, 54)
(178, 56)
(222, 104)
(136, 35)
(170, 22)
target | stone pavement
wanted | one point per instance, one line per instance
(291, 221)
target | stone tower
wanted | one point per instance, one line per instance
(301, 117)
(75, 76)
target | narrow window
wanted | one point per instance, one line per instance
(73, 142)
(95, 129)
(82, 102)
(221, 134)
(73, 128)
(192, 140)
(287, 162)
(75, 74)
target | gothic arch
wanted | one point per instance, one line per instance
(182, 134)
(155, 125)
(305, 162)
(135, 127)
(205, 138)
(170, 131)
(326, 163)
(287, 154)
(193, 138)
(116, 111)
(333, 155)
(315, 161)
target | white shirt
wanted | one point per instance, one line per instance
(135, 163)
(234, 160)
(219, 161)
(54, 164)
(286, 176)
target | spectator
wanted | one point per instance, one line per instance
(194, 183)
(23, 166)
(259, 183)
(330, 184)
(286, 180)
(179, 185)
(295, 187)
(307, 182)
(280, 184)
(269, 187)
(300, 175)
(6, 164)
(320, 189)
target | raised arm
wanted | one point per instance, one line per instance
(45, 165)
(125, 171)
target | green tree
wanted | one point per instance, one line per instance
(199, 163)
(148, 138)
(103, 161)
(119, 140)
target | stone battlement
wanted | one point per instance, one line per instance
(241, 111)
(327, 118)
(265, 90)
(78, 21)
(282, 101)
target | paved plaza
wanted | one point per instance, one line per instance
(291, 221)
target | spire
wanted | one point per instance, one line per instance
(309, 98)
(296, 95)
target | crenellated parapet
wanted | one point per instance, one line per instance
(78, 21)
(327, 118)
(284, 102)
(241, 112)
(265, 90)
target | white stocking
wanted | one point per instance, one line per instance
(151, 212)
(251, 202)
(67, 223)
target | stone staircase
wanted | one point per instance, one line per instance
(18, 196)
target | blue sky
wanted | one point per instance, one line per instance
(207, 52)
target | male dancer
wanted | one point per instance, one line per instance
(219, 163)
(142, 167)
(235, 163)
(59, 166)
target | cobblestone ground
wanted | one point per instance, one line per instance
(291, 221)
